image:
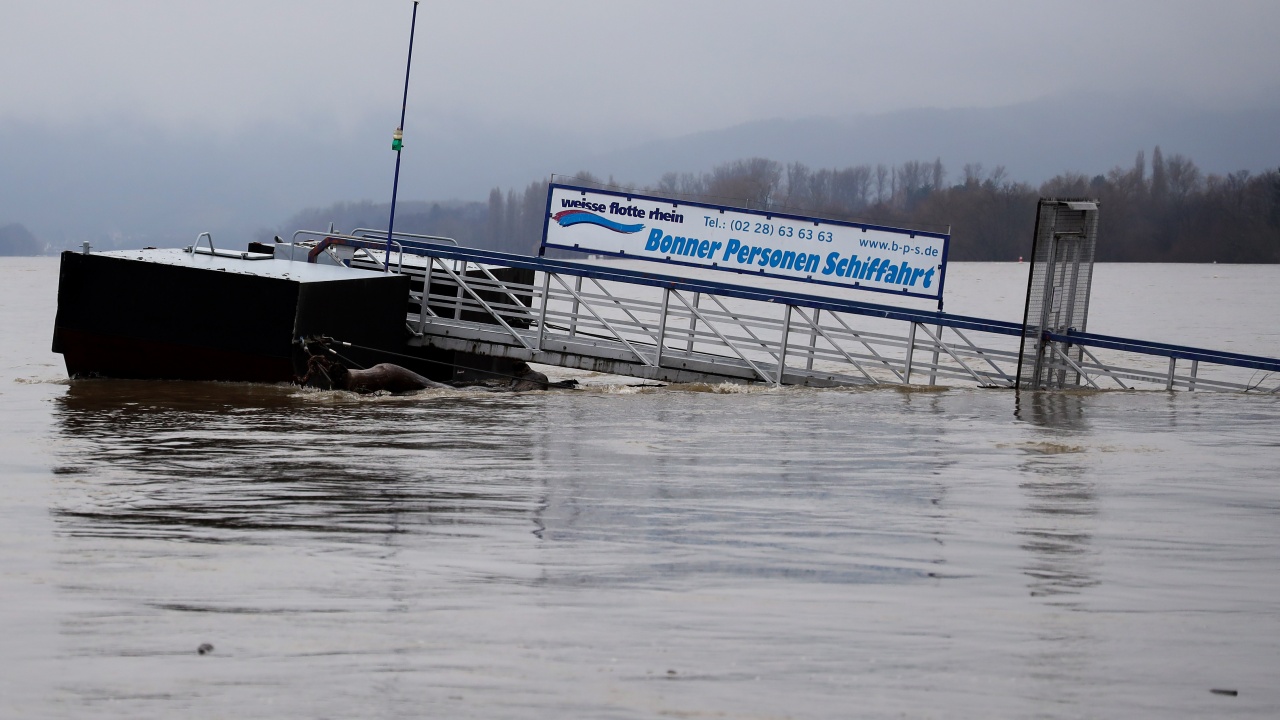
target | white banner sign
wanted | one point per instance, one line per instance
(866, 257)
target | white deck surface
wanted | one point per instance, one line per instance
(296, 270)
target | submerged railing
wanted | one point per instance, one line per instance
(643, 324)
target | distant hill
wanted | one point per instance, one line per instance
(128, 183)
(17, 240)
(1033, 141)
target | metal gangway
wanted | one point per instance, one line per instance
(601, 318)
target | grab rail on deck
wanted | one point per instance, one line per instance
(375, 233)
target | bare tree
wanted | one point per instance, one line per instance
(511, 222)
(850, 187)
(798, 188)
(1066, 185)
(532, 216)
(972, 174)
(754, 181)
(497, 214)
(1183, 176)
(1159, 178)
(998, 179)
(820, 190)
(915, 181)
(882, 174)
(583, 177)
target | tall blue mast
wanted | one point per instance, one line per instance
(397, 140)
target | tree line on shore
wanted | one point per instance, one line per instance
(1164, 210)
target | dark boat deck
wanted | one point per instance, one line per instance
(174, 314)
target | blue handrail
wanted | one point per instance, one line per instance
(638, 277)
(1181, 352)
(927, 317)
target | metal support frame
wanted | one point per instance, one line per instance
(937, 343)
(754, 341)
(542, 311)
(457, 303)
(693, 324)
(573, 322)
(424, 308)
(985, 356)
(737, 351)
(911, 351)
(813, 340)
(662, 327)
(905, 380)
(621, 306)
(818, 329)
(782, 347)
(764, 345)
(1072, 363)
(604, 322)
(1098, 362)
(953, 359)
(933, 368)
(476, 296)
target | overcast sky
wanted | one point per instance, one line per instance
(624, 69)
(149, 118)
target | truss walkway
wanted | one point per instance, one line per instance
(599, 318)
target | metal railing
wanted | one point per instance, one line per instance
(373, 234)
(195, 249)
(607, 319)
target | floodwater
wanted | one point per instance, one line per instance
(615, 552)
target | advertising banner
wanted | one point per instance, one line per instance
(866, 257)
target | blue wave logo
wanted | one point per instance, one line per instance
(577, 217)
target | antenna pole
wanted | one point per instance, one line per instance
(397, 140)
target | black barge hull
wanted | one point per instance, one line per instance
(171, 314)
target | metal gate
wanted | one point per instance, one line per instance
(1062, 257)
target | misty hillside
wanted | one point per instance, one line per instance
(1033, 141)
(123, 183)
(17, 240)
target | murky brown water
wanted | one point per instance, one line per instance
(637, 553)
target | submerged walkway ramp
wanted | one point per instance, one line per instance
(600, 318)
